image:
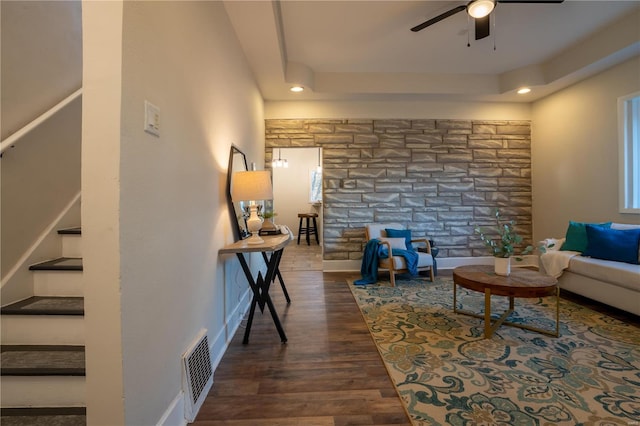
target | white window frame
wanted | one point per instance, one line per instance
(629, 153)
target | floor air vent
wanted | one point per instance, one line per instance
(198, 375)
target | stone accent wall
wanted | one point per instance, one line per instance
(440, 178)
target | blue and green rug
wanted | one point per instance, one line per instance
(446, 373)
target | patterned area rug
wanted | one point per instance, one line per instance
(446, 373)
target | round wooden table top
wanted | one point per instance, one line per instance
(521, 283)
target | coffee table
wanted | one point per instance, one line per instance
(523, 283)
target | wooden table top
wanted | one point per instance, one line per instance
(271, 243)
(521, 283)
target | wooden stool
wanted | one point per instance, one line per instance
(308, 230)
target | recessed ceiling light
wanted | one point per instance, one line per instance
(297, 89)
(523, 90)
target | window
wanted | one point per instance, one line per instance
(629, 152)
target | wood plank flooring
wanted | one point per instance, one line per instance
(328, 373)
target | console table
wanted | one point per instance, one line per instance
(275, 245)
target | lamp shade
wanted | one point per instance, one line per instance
(251, 186)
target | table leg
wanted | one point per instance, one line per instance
(487, 314)
(455, 305)
(255, 288)
(276, 320)
(279, 275)
(247, 330)
(557, 310)
(260, 289)
(490, 328)
(272, 268)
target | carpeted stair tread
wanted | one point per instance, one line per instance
(59, 264)
(42, 360)
(46, 305)
(76, 230)
(54, 416)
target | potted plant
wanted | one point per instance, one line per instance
(269, 222)
(504, 246)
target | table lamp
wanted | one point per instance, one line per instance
(252, 186)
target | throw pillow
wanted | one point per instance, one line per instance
(613, 244)
(627, 226)
(395, 243)
(401, 233)
(576, 237)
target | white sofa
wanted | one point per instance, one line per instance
(614, 283)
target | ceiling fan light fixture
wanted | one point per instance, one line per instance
(480, 8)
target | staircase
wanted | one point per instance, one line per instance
(43, 364)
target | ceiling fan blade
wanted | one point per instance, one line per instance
(482, 27)
(438, 18)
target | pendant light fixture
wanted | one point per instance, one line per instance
(279, 163)
(319, 168)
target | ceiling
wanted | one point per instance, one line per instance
(358, 50)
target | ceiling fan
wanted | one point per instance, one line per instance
(480, 10)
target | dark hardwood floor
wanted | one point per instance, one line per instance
(328, 373)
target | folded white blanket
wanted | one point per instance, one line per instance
(555, 262)
(552, 243)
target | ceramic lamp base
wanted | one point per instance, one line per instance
(254, 223)
(254, 239)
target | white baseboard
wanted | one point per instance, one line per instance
(221, 341)
(341, 265)
(174, 415)
(443, 263)
(454, 262)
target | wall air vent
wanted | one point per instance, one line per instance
(198, 375)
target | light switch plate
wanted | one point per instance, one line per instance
(151, 118)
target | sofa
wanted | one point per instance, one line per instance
(597, 261)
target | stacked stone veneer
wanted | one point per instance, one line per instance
(437, 177)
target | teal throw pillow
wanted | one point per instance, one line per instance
(401, 233)
(613, 244)
(576, 236)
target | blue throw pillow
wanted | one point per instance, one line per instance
(613, 244)
(401, 233)
(576, 236)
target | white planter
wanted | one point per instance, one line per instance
(502, 266)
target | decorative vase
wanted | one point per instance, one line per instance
(269, 224)
(502, 266)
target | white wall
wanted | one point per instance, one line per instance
(575, 152)
(399, 109)
(291, 188)
(155, 207)
(41, 58)
(38, 179)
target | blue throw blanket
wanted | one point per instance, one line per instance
(373, 251)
